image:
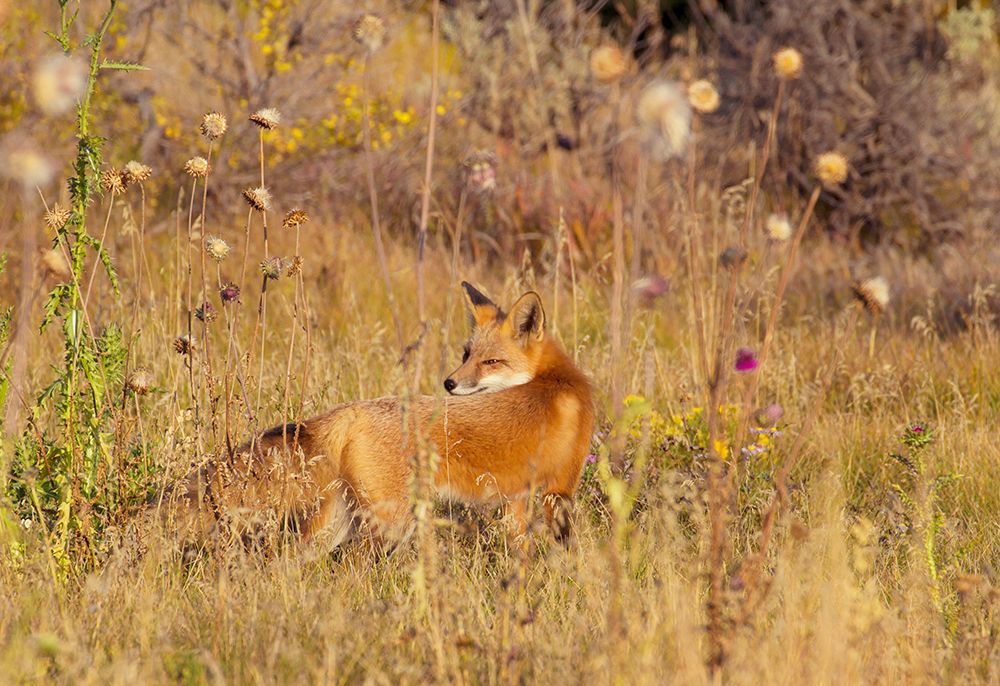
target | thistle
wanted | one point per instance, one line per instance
(216, 248)
(136, 172)
(294, 265)
(112, 181)
(481, 172)
(267, 118)
(703, 97)
(205, 313)
(197, 167)
(873, 293)
(271, 268)
(57, 216)
(258, 198)
(184, 344)
(213, 125)
(607, 63)
(229, 293)
(294, 219)
(778, 228)
(139, 381)
(788, 64)
(831, 169)
(665, 114)
(370, 31)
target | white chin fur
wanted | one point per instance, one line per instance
(494, 383)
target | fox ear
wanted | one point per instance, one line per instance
(482, 310)
(527, 318)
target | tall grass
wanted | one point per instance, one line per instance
(848, 537)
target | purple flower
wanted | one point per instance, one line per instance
(591, 459)
(746, 360)
(769, 415)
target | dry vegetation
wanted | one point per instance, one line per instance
(835, 521)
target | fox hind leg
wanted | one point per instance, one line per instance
(559, 514)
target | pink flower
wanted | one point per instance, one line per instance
(746, 360)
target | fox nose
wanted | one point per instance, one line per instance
(449, 385)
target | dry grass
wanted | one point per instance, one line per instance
(879, 558)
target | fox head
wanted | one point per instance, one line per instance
(503, 349)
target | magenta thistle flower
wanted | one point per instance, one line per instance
(746, 360)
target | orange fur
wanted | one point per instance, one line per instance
(493, 447)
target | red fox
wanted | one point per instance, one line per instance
(518, 417)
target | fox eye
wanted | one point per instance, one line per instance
(465, 355)
(491, 362)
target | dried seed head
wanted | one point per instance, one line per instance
(213, 125)
(216, 248)
(112, 181)
(184, 344)
(873, 293)
(271, 268)
(205, 313)
(703, 97)
(481, 172)
(136, 172)
(229, 293)
(788, 63)
(58, 83)
(778, 228)
(607, 63)
(831, 169)
(295, 218)
(267, 118)
(732, 257)
(258, 198)
(54, 263)
(197, 167)
(370, 31)
(139, 381)
(665, 115)
(57, 216)
(294, 265)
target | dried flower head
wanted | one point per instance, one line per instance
(650, 287)
(831, 169)
(58, 83)
(271, 268)
(778, 228)
(703, 97)
(788, 63)
(184, 344)
(294, 219)
(229, 293)
(139, 381)
(258, 198)
(213, 125)
(267, 118)
(22, 161)
(197, 167)
(54, 263)
(205, 313)
(216, 248)
(113, 181)
(294, 265)
(370, 31)
(732, 257)
(746, 360)
(481, 171)
(136, 172)
(873, 293)
(607, 63)
(57, 216)
(665, 115)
